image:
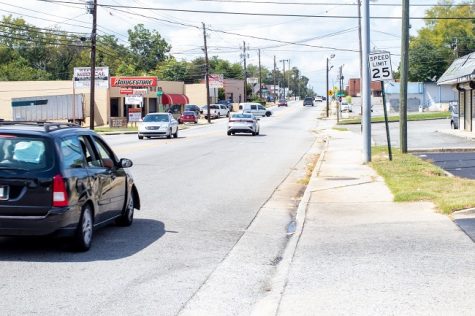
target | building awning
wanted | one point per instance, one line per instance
(461, 70)
(173, 99)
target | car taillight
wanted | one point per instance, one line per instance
(60, 196)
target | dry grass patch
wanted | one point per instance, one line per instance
(412, 179)
(311, 163)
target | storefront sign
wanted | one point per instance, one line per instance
(126, 91)
(135, 114)
(143, 92)
(134, 99)
(82, 77)
(216, 81)
(118, 122)
(133, 81)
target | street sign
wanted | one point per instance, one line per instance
(380, 65)
(135, 114)
(330, 92)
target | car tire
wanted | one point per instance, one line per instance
(176, 133)
(257, 133)
(140, 137)
(229, 133)
(253, 133)
(127, 217)
(268, 114)
(148, 137)
(85, 229)
(169, 135)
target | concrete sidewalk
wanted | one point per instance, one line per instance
(360, 253)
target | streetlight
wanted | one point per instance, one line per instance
(328, 69)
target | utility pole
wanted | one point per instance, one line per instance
(206, 73)
(404, 76)
(273, 77)
(260, 75)
(245, 72)
(290, 72)
(328, 70)
(365, 91)
(283, 73)
(92, 9)
(361, 54)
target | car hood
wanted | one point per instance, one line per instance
(145, 124)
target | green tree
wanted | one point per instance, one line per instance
(441, 40)
(148, 47)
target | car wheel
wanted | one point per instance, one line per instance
(176, 133)
(196, 122)
(268, 114)
(148, 137)
(140, 137)
(253, 133)
(85, 229)
(169, 135)
(257, 133)
(229, 133)
(452, 125)
(127, 216)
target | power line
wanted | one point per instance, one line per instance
(331, 3)
(261, 14)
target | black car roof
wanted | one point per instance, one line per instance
(40, 128)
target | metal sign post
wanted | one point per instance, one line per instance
(381, 70)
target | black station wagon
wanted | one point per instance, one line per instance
(61, 179)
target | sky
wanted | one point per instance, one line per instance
(326, 33)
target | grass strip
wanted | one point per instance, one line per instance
(395, 118)
(412, 179)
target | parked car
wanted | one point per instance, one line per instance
(346, 107)
(216, 111)
(308, 101)
(194, 108)
(157, 125)
(318, 99)
(228, 103)
(243, 123)
(188, 117)
(282, 102)
(254, 108)
(58, 178)
(454, 115)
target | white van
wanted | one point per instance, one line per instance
(255, 108)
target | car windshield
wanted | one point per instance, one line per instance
(19, 152)
(156, 118)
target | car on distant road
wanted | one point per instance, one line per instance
(319, 99)
(243, 123)
(308, 101)
(282, 102)
(157, 125)
(215, 110)
(188, 117)
(61, 179)
(256, 109)
(228, 103)
(346, 107)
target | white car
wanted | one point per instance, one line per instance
(158, 125)
(243, 123)
(346, 107)
(254, 108)
(215, 110)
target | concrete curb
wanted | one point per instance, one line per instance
(270, 303)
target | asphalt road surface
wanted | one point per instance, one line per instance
(199, 193)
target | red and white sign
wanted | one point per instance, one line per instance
(216, 80)
(126, 91)
(135, 114)
(133, 81)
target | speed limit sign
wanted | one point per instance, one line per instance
(380, 65)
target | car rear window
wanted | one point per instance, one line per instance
(242, 115)
(308, 99)
(23, 152)
(188, 113)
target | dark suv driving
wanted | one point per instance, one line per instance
(61, 179)
(308, 101)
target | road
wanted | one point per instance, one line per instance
(202, 197)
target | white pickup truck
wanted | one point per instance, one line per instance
(216, 111)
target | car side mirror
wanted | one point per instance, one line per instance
(125, 163)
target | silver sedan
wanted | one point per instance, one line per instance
(243, 123)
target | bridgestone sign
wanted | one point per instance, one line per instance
(380, 65)
(133, 81)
